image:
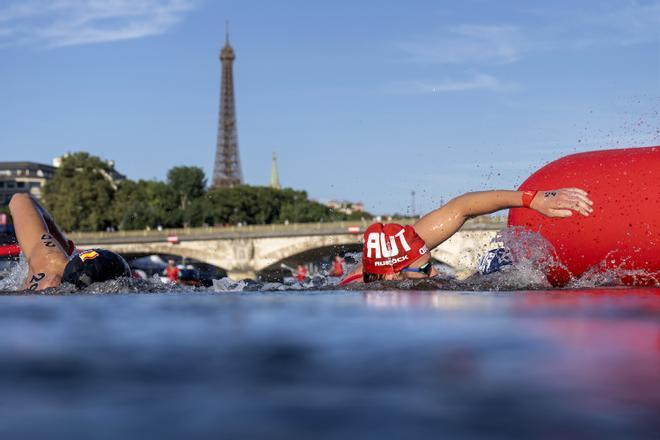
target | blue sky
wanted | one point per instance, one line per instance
(364, 101)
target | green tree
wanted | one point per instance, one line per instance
(297, 208)
(231, 205)
(262, 205)
(188, 184)
(80, 194)
(83, 197)
(145, 204)
(166, 204)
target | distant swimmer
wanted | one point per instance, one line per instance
(172, 272)
(301, 273)
(395, 252)
(52, 259)
(337, 267)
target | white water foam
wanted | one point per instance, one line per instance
(531, 254)
(15, 278)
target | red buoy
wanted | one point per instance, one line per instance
(623, 232)
(9, 250)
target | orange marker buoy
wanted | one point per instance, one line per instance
(623, 232)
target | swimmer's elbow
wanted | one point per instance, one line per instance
(462, 200)
(461, 206)
(18, 199)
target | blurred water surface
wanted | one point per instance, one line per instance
(331, 364)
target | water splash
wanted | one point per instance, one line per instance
(532, 258)
(604, 276)
(15, 276)
(14, 281)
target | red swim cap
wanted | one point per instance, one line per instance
(389, 248)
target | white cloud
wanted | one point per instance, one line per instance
(634, 23)
(71, 22)
(614, 24)
(475, 82)
(466, 43)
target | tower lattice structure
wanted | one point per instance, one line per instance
(227, 166)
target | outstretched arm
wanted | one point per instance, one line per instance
(437, 226)
(29, 203)
(45, 255)
(34, 226)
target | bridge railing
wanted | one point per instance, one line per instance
(253, 231)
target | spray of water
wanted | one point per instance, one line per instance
(532, 258)
(604, 275)
(15, 276)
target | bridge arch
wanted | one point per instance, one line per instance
(321, 256)
(150, 264)
(271, 251)
(163, 249)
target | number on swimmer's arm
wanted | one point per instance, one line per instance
(34, 281)
(47, 240)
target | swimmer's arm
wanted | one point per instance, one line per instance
(53, 229)
(437, 226)
(31, 228)
(41, 280)
(355, 271)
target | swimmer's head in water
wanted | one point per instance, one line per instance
(94, 265)
(389, 248)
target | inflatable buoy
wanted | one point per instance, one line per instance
(9, 250)
(623, 232)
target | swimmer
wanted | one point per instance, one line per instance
(52, 259)
(395, 252)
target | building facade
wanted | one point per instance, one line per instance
(30, 177)
(23, 177)
(344, 206)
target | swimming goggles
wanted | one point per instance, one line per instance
(425, 268)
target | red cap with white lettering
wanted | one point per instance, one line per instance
(389, 248)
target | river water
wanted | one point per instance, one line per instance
(331, 364)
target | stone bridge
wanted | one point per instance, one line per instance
(245, 251)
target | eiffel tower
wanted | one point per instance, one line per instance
(227, 166)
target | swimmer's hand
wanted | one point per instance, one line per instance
(562, 202)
